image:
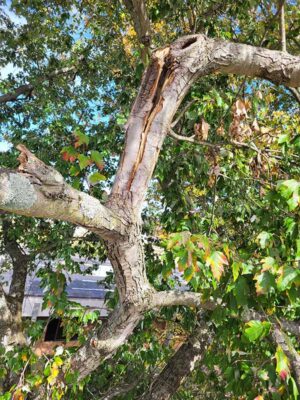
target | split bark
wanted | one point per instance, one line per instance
(40, 191)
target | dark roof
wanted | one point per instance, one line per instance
(87, 288)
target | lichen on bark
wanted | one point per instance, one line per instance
(13, 188)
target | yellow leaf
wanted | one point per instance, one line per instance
(216, 260)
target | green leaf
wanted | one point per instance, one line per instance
(264, 239)
(81, 138)
(84, 161)
(97, 158)
(256, 330)
(297, 249)
(96, 177)
(294, 201)
(188, 273)
(282, 363)
(121, 119)
(265, 281)
(74, 170)
(287, 188)
(295, 389)
(216, 261)
(241, 291)
(284, 138)
(235, 270)
(288, 275)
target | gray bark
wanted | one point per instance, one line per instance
(183, 362)
(40, 191)
(37, 190)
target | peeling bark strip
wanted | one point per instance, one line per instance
(38, 190)
(169, 76)
(181, 364)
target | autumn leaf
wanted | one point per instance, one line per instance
(216, 261)
(97, 158)
(240, 109)
(282, 364)
(80, 139)
(201, 130)
(18, 395)
(68, 153)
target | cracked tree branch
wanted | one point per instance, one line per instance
(38, 190)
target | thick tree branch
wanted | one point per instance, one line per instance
(141, 22)
(169, 76)
(23, 90)
(183, 362)
(38, 190)
(20, 262)
(27, 89)
(11, 332)
(294, 91)
(181, 298)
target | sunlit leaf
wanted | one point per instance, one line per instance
(216, 260)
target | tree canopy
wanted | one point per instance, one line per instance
(169, 131)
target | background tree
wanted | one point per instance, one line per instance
(220, 155)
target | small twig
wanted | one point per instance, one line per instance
(191, 139)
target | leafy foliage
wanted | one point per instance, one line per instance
(222, 218)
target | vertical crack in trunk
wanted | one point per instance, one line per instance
(162, 68)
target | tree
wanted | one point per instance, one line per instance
(223, 268)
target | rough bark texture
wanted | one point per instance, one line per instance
(40, 191)
(11, 330)
(181, 364)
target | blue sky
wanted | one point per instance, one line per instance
(9, 68)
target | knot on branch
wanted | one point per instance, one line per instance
(31, 165)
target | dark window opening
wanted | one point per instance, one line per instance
(54, 331)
